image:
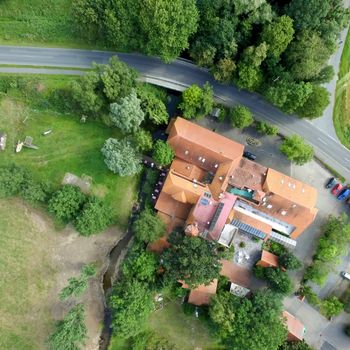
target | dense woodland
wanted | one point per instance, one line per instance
(278, 48)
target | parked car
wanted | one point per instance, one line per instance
(336, 189)
(331, 182)
(345, 275)
(249, 155)
(344, 193)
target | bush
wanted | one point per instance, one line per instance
(240, 117)
(265, 128)
(94, 217)
(149, 340)
(310, 295)
(33, 191)
(143, 140)
(148, 227)
(331, 307)
(297, 150)
(67, 202)
(278, 280)
(289, 261)
(274, 248)
(163, 154)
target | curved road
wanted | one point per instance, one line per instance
(178, 75)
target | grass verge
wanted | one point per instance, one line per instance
(26, 276)
(341, 112)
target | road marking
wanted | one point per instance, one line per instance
(324, 142)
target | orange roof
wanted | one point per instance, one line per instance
(202, 294)
(168, 205)
(200, 146)
(260, 225)
(291, 189)
(295, 328)
(236, 274)
(269, 259)
(187, 169)
(183, 189)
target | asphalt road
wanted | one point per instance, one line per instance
(178, 75)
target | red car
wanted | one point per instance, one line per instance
(336, 189)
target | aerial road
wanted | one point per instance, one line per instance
(178, 75)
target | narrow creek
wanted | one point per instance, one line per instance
(108, 278)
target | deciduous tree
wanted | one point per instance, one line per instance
(297, 150)
(163, 154)
(148, 227)
(191, 259)
(289, 261)
(331, 307)
(315, 104)
(71, 332)
(120, 157)
(127, 115)
(240, 117)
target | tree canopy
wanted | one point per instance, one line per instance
(71, 332)
(193, 260)
(296, 150)
(247, 323)
(130, 303)
(148, 227)
(127, 114)
(163, 154)
(120, 157)
(241, 117)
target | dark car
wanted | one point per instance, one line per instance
(249, 155)
(343, 194)
(331, 182)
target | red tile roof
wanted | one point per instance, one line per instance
(295, 328)
(268, 259)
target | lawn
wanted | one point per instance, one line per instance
(341, 113)
(71, 147)
(185, 332)
(26, 276)
(39, 23)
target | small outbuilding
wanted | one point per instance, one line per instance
(296, 329)
(268, 259)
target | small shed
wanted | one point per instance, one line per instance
(268, 259)
(3, 138)
(296, 329)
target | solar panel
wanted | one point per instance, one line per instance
(286, 241)
(248, 229)
(216, 216)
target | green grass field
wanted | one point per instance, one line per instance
(341, 113)
(25, 279)
(39, 23)
(71, 147)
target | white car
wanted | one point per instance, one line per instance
(345, 275)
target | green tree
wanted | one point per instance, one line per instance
(224, 70)
(143, 140)
(71, 332)
(163, 154)
(117, 78)
(167, 26)
(331, 307)
(86, 93)
(265, 128)
(235, 318)
(306, 55)
(315, 104)
(296, 150)
(317, 272)
(241, 117)
(130, 303)
(120, 157)
(289, 261)
(191, 259)
(278, 280)
(67, 202)
(197, 102)
(148, 227)
(127, 115)
(325, 75)
(277, 35)
(140, 265)
(299, 345)
(153, 107)
(94, 217)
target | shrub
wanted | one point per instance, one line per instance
(143, 140)
(289, 261)
(297, 150)
(94, 217)
(148, 227)
(240, 117)
(278, 280)
(265, 128)
(163, 154)
(149, 340)
(33, 191)
(331, 307)
(67, 202)
(11, 179)
(310, 295)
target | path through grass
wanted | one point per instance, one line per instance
(341, 113)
